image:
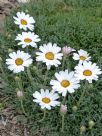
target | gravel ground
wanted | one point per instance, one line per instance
(10, 120)
(9, 126)
(5, 7)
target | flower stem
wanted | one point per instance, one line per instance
(43, 116)
(64, 99)
(46, 74)
(81, 98)
(82, 94)
(62, 129)
(63, 62)
(27, 49)
(19, 82)
(63, 115)
(43, 85)
(30, 76)
(22, 106)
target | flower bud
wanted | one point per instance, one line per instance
(8, 35)
(17, 78)
(82, 129)
(67, 50)
(63, 109)
(26, 11)
(74, 108)
(34, 68)
(19, 94)
(91, 124)
(10, 50)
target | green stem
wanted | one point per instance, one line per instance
(43, 116)
(19, 82)
(64, 99)
(27, 49)
(81, 98)
(82, 95)
(21, 101)
(68, 64)
(30, 76)
(45, 77)
(63, 62)
(63, 115)
(62, 129)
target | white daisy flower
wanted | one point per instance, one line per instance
(24, 21)
(46, 99)
(81, 56)
(87, 71)
(18, 61)
(49, 54)
(66, 82)
(28, 39)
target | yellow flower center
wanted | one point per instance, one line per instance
(65, 83)
(23, 22)
(27, 40)
(19, 61)
(87, 73)
(82, 58)
(49, 56)
(46, 100)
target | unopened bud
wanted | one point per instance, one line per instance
(26, 11)
(63, 109)
(91, 124)
(74, 108)
(34, 68)
(9, 35)
(17, 78)
(67, 50)
(82, 129)
(10, 50)
(19, 94)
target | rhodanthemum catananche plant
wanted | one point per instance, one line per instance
(48, 80)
